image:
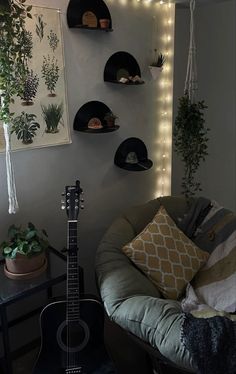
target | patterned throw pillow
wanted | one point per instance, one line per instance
(166, 255)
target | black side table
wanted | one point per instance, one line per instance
(12, 291)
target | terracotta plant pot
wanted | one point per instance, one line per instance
(104, 23)
(23, 265)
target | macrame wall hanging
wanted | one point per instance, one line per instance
(190, 134)
(191, 76)
(11, 186)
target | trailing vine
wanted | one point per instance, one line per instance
(190, 140)
(14, 53)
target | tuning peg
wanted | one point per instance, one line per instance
(81, 199)
(63, 204)
(81, 206)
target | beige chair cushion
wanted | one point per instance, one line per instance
(166, 255)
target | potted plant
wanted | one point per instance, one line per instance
(52, 115)
(104, 23)
(110, 119)
(25, 127)
(24, 252)
(190, 140)
(14, 56)
(156, 66)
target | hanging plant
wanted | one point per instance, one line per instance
(190, 140)
(14, 56)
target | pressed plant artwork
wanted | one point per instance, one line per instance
(40, 26)
(52, 115)
(53, 40)
(30, 88)
(35, 102)
(25, 127)
(50, 73)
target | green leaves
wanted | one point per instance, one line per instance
(190, 140)
(27, 242)
(13, 53)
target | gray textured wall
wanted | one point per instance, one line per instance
(215, 38)
(41, 174)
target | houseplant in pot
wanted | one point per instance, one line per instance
(110, 119)
(156, 66)
(24, 252)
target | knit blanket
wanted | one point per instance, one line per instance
(211, 342)
(211, 295)
(214, 286)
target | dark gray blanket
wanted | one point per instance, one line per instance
(211, 342)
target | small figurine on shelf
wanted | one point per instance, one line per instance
(110, 119)
(156, 66)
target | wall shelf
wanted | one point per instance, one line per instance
(91, 113)
(122, 65)
(132, 155)
(86, 14)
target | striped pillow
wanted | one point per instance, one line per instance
(215, 283)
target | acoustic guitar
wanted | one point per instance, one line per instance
(72, 330)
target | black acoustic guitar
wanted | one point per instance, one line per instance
(72, 330)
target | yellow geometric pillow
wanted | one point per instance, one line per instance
(166, 255)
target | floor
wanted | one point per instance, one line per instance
(25, 364)
(128, 360)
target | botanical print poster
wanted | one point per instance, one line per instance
(41, 113)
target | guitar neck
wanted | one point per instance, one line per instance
(73, 312)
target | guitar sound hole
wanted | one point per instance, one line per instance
(73, 336)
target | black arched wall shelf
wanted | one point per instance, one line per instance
(97, 9)
(132, 155)
(122, 65)
(93, 110)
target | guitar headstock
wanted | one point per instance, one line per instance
(72, 201)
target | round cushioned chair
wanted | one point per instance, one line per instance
(130, 298)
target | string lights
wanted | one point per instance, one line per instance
(164, 135)
(164, 93)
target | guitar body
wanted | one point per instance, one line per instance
(84, 353)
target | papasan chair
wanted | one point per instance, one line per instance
(132, 301)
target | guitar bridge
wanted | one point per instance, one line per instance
(77, 370)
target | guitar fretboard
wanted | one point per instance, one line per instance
(73, 312)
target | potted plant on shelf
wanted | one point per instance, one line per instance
(156, 66)
(190, 140)
(24, 252)
(104, 23)
(110, 119)
(25, 127)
